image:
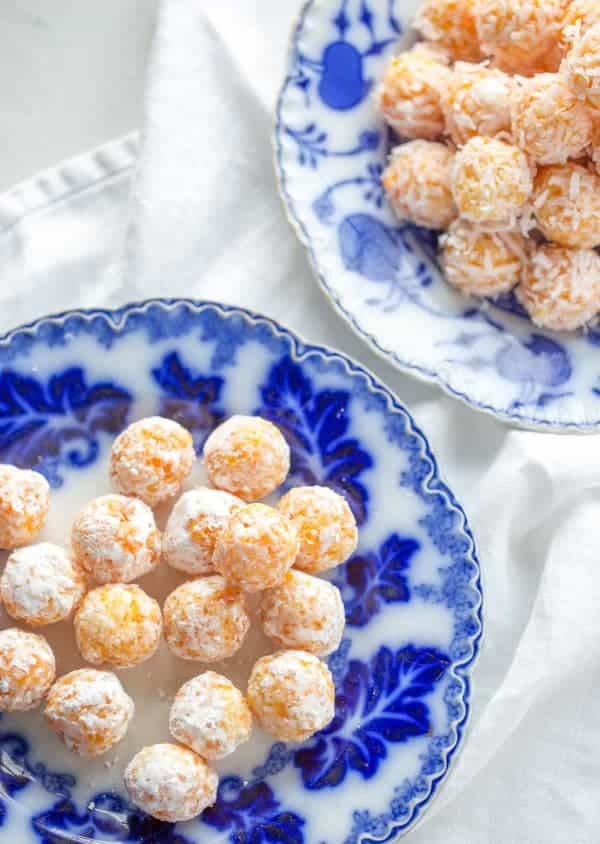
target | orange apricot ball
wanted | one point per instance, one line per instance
(566, 202)
(27, 669)
(417, 184)
(450, 24)
(24, 500)
(476, 101)
(581, 67)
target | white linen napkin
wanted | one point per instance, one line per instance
(205, 221)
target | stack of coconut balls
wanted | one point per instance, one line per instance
(501, 102)
(228, 546)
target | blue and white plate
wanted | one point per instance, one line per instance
(381, 275)
(68, 384)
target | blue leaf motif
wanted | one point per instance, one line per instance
(378, 703)
(54, 425)
(370, 580)
(191, 399)
(316, 425)
(251, 815)
(107, 817)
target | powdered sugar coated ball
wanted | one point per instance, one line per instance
(549, 123)
(291, 693)
(482, 263)
(476, 101)
(408, 96)
(119, 625)
(520, 29)
(24, 499)
(491, 182)
(210, 716)
(326, 526)
(151, 459)
(581, 67)
(27, 669)
(451, 25)
(256, 548)
(566, 202)
(170, 783)
(115, 539)
(579, 16)
(41, 584)
(417, 183)
(89, 710)
(561, 288)
(247, 456)
(206, 619)
(304, 612)
(193, 527)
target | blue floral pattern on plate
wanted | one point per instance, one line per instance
(412, 592)
(381, 275)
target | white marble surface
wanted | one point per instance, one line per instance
(72, 77)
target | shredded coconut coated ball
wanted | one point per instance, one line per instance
(417, 183)
(450, 24)
(151, 459)
(291, 693)
(206, 619)
(561, 288)
(115, 539)
(566, 202)
(27, 670)
(482, 263)
(579, 16)
(119, 625)
(549, 123)
(170, 783)
(89, 710)
(41, 584)
(408, 96)
(326, 527)
(304, 612)
(581, 67)
(256, 548)
(210, 716)
(24, 500)
(476, 101)
(193, 527)
(247, 456)
(520, 30)
(491, 182)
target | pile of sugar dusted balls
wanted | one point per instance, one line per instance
(228, 545)
(499, 107)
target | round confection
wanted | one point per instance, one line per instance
(579, 16)
(210, 716)
(482, 263)
(41, 584)
(291, 694)
(491, 182)
(303, 612)
(581, 67)
(118, 624)
(247, 456)
(24, 500)
(476, 101)
(256, 548)
(566, 202)
(561, 287)
(115, 539)
(170, 783)
(27, 669)
(326, 527)
(206, 619)
(549, 123)
(450, 24)
(89, 710)
(151, 459)
(194, 524)
(520, 29)
(408, 96)
(417, 183)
